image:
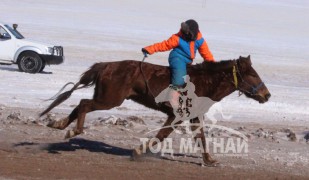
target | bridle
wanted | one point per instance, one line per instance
(253, 89)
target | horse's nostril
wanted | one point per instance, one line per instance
(267, 96)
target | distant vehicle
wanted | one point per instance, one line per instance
(30, 56)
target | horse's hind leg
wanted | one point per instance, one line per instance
(85, 106)
(198, 126)
(64, 122)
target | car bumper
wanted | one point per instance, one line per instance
(52, 59)
(56, 57)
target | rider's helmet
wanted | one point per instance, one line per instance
(189, 30)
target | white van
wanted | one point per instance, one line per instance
(30, 56)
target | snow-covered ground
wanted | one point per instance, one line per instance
(274, 32)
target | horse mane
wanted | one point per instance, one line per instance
(243, 62)
(213, 66)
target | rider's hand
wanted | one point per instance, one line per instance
(145, 52)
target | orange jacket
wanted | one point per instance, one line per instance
(188, 49)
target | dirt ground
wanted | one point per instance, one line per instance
(30, 150)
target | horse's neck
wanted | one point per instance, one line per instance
(223, 86)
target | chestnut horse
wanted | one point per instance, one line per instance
(142, 82)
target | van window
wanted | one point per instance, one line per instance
(14, 32)
(3, 32)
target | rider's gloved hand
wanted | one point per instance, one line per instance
(145, 52)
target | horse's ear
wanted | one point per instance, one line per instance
(249, 59)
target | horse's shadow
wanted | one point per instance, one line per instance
(98, 147)
(79, 144)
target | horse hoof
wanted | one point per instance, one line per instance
(55, 125)
(52, 124)
(69, 134)
(216, 164)
(60, 124)
(211, 163)
(136, 154)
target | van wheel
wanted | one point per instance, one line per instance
(43, 66)
(30, 62)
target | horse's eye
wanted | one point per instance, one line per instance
(253, 74)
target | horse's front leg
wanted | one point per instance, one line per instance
(198, 130)
(163, 133)
(88, 105)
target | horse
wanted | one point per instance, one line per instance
(142, 82)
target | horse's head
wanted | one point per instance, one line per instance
(249, 81)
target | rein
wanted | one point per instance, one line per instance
(142, 72)
(254, 89)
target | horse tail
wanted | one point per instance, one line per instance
(60, 98)
(87, 79)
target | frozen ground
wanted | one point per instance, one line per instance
(273, 32)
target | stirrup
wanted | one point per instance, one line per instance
(173, 87)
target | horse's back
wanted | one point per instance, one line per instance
(126, 65)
